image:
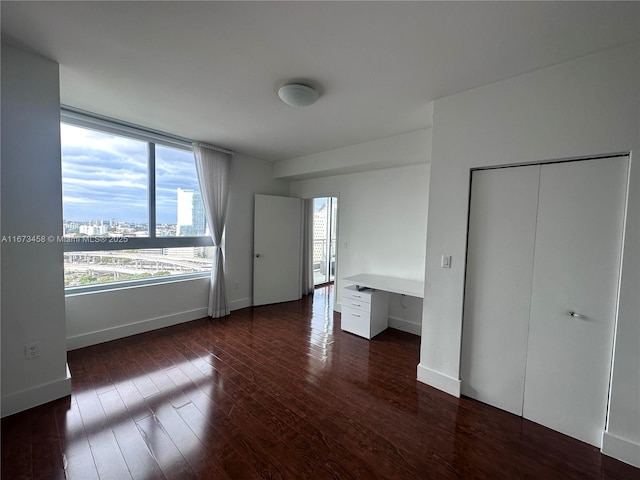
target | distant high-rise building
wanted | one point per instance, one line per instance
(199, 221)
(93, 229)
(190, 219)
(185, 206)
(320, 222)
(320, 233)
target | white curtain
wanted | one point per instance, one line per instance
(213, 167)
(306, 283)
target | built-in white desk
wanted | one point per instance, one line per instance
(413, 288)
(365, 304)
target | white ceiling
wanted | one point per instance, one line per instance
(209, 71)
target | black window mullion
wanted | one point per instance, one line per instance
(152, 190)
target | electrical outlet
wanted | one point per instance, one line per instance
(32, 350)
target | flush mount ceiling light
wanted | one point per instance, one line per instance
(297, 95)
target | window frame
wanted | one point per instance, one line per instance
(82, 119)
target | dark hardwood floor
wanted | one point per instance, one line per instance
(276, 392)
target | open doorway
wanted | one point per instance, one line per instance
(324, 240)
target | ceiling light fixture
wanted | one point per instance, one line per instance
(298, 95)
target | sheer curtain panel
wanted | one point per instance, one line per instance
(213, 167)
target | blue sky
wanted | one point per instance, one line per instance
(105, 177)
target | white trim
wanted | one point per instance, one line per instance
(622, 449)
(439, 380)
(212, 147)
(120, 331)
(405, 326)
(32, 397)
(82, 118)
(240, 303)
(93, 121)
(127, 284)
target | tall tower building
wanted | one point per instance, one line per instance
(198, 219)
(190, 216)
(185, 207)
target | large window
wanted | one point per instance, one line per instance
(132, 206)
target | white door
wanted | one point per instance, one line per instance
(276, 246)
(540, 247)
(502, 228)
(576, 269)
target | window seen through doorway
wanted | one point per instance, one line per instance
(324, 239)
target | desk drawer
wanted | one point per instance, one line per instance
(350, 293)
(356, 304)
(356, 321)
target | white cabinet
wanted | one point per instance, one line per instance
(364, 312)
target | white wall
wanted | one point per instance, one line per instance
(399, 150)
(382, 222)
(101, 316)
(585, 107)
(248, 177)
(32, 273)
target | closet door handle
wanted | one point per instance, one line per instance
(575, 315)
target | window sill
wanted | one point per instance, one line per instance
(106, 287)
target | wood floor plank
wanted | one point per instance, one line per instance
(78, 458)
(157, 435)
(219, 442)
(46, 452)
(141, 463)
(107, 456)
(183, 438)
(16, 447)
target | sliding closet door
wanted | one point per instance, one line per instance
(502, 227)
(576, 269)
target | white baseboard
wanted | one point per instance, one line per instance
(405, 325)
(621, 449)
(32, 397)
(120, 331)
(240, 303)
(439, 380)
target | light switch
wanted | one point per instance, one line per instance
(445, 262)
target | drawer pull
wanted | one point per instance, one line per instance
(357, 296)
(356, 304)
(355, 315)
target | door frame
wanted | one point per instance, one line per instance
(293, 235)
(337, 196)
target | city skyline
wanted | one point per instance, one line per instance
(190, 220)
